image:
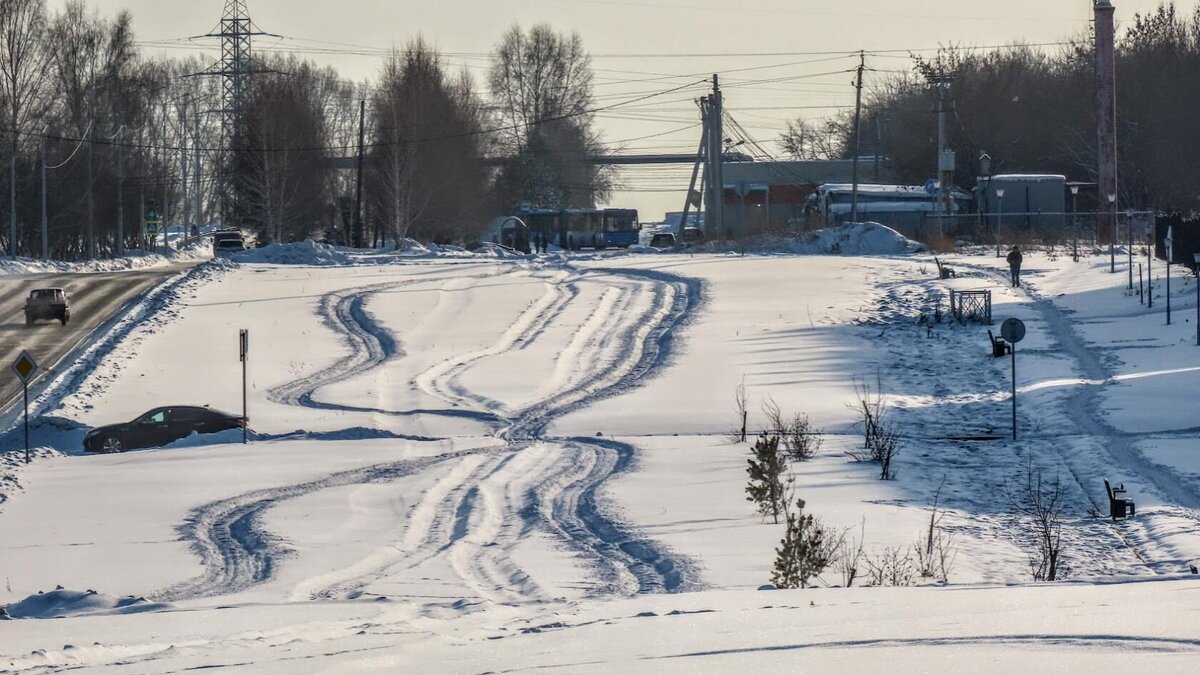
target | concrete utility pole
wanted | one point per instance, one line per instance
(357, 234)
(12, 197)
(945, 158)
(45, 221)
(120, 244)
(687, 202)
(717, 159)
(1106, 114)
(184, 183)
(858, 85)
(198, 193)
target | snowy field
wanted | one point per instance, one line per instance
(493, 463)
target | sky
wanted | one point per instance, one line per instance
(779, 59)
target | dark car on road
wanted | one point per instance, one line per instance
(663, 240)
(47, 304)
(159, 427)
(228, 241)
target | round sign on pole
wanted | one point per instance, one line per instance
(1013, 330)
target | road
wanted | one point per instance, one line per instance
(95, 297)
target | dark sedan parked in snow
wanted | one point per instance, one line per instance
(159, 427)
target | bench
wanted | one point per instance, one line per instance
(944, 271)
(1119, 506)
(999, 346)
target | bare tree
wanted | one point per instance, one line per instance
(1039, 504)
(542, 83)
(801, 441)
(22, 83)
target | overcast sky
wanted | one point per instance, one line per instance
(630, 41)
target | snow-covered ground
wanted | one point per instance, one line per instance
(467, 463)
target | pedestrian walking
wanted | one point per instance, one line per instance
(1014, 265)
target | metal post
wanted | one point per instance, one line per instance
(999, 219)
(243, 349)
(25, 390)
(1075, 222)
(1141, 291)
(1149, 270)
(1013, 351)
(1129, 240)
(1168, 289)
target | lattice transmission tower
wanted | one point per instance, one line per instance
(237, 64)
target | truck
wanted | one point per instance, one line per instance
(47, 304)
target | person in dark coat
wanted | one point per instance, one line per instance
(1014, 265)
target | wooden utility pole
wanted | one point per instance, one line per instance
(858, 85)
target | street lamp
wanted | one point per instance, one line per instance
(1112, 236)
(1000, 218)
(1129, 240)
(1196, 258)
(1075, 222)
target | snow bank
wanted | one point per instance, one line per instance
(132, 261)
(861, 239)
(307, 252)
(62, 603)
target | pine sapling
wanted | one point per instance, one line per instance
(765, 468)
(804, 552)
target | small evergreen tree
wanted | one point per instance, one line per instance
(804, 552)
(765, 469)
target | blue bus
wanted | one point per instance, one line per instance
(621, 227)
(574, 229)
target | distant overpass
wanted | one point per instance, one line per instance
(350, 163)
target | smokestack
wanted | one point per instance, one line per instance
(1106, 117)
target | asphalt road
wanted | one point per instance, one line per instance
(95, 298)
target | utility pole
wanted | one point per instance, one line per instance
(198, 193)
(858, 85)
(358, 224)
(945, 158)
(120, 247)
(184, 184)
(12, 197)
(717, 183)
(91, 202)
(45, 222)
(700, 157)
(1106, 115)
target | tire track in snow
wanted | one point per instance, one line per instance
(507, 497)
(234, 548)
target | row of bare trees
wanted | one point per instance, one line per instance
(1034, 110)
(124, 136)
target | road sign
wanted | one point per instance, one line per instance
(1013, 330)
(1169, 242)
(25, 366)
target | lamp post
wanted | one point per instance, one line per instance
(1129, 243)
(1196, 258)
(999, 219)
(1112, 236)
(1075, 223)
(1149, 266)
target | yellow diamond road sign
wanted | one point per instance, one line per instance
(24, 366)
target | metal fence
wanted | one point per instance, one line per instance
(1083, 230)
